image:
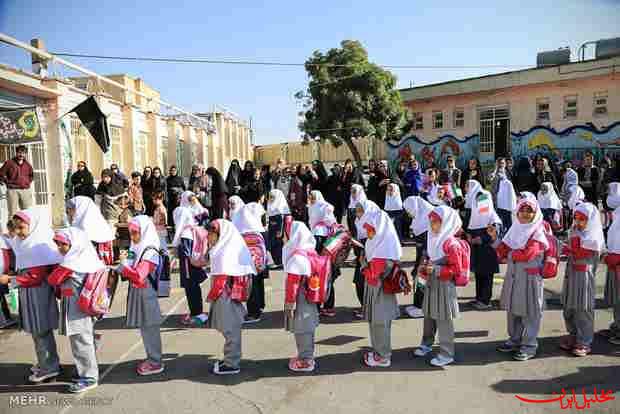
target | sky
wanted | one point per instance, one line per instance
(394, 32)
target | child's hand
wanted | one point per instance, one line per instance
(492, 231)
(5, 279)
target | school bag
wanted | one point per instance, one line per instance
(397, 281)
(241, 288)
(317, 285)
(200, 247)
(95, 299)
(552, 254)
(160, 277)
(256, 245)
(462, 254)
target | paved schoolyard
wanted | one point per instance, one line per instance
(481, 381)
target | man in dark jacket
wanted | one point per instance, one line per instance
(543, 174)
(18, 175)
(589, 178)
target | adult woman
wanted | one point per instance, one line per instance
(219, 193)
(174, 187)
(108, 192)
(147, 191)
(233, 178)
(319, 177)
(247, 174)
(297, 195)
(82, 181)
(524, 178)
(473, 172)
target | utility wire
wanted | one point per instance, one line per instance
(270, 63)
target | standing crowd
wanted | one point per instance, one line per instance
(233, 231)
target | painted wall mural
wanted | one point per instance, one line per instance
(566, 144)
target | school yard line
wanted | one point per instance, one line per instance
(123, 357)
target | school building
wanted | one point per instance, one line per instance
(140, 133)
(558, 108)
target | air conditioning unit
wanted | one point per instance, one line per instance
(553, 58)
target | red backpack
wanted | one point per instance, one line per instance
(552, 254)
(397, 281)
(462, 252)
(241, 288)
(95, 298)
(200, 247)
(317, 289)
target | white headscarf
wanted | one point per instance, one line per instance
(148, 236)
(473, 187)
(550, 199)
(483, 212)
(367, 206)
(385, 244)
(450, 224)
(393, 202)
(571, 179)
(197, 208)
(278, 205)
(613, 235)
(301, 239)
(238, 202)
(321, 212)
(247, 219)
(506, 196)
(433, 196)
(519, 234)
(419, 209)
(38, 248)
(613, 195)
(317, 195)
(88, 217)
(183, 218)
(592, 237)
(576, 197)
(81, 257)
(360, 195)
(185, 196)
(230, 255)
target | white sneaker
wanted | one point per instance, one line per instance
(422, 351)
(414, 312)
(440, 361)
(373, 359)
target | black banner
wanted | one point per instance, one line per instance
(19, 126)
(95, 121)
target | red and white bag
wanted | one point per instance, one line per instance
(95, 298)
(460, 249)
(200, 247)
(317, 288)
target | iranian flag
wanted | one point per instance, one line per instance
(483, 204)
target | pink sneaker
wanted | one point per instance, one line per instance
(149, 368)
(186, 320)
(301, 365)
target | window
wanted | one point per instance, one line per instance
(79, 136)
(542, 109)
(437, 119)
(418, 120)
(600, 104)
(570, 107)
(140, 154)
(164, 153)
(459, 118)
(113, 156)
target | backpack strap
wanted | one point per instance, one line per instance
(154, 283)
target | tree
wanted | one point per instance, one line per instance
(349, 97)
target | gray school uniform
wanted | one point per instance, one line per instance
(303, 324)
(143, 312)
(380, 309)
(523, 299)
(38, 314)
(440, 308)
(78, 326)
(612, 299)
(578, 295)
(226, 316)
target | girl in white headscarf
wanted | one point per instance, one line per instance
(191, 276)
(358, 195)
(277, 210)
(138, 266)
(189, 200)
(84, 214)
(235, 204)
(473, 188)
(523, 247)
(79, 260)
(394, 207)
(248, 223)
(232, 269)
(418, 209)
(612, 284)
(440, 305)
(484, 261)
(550, 205)
(610, 204)
(579, 288)
(35, 257)
(382, 252)
(506, 201)
(300, 316)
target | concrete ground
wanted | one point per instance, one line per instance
(481, 381)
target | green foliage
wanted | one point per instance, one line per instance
(349, 97)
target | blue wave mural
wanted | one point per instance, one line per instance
(566, 144)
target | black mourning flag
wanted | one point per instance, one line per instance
(95, 121)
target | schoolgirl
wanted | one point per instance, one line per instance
(610, 204)
(84, 214)
(418, 209)
(358, 195)
(191, 276)
(523, 247)
(277, 210)
(550, 205)
(382, 252)
(235, 203)
(473, 187)
(189, 200)
(231, 274)
(506, 201)
(440, 299)
(612, 284)
(138, 266)
(579, 288)
(79, 259)
(394, 207)
(301, 317)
